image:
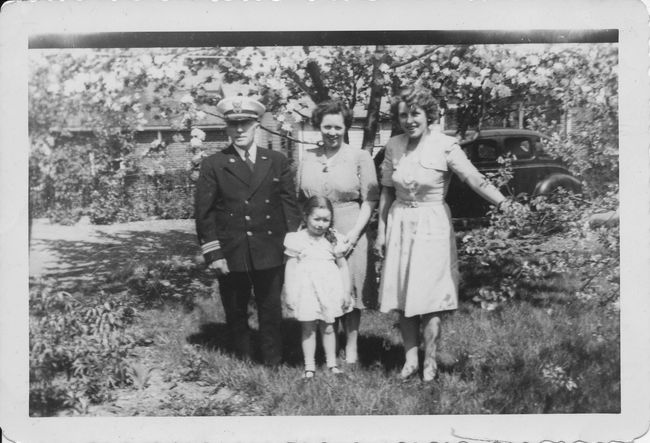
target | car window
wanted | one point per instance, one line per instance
(486, 150)
(519, 147)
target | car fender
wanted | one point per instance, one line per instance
(554, 181)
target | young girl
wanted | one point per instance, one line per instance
(317, 281)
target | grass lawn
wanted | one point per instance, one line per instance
(545, 351)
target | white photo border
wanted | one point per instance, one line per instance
(20, 20)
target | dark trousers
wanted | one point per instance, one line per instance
(235, 289)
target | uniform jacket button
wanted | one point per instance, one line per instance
(268, 217)
(249, 233)
(247, 217)
(269, 232)
(267, 201)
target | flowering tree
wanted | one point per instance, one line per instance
(113, 93)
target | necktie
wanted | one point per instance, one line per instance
(247, 160)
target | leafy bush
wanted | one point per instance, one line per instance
(175, 279)
(66, 184)
(507, 257)
(125, 198)
(78, 348)
(110, 201)
(167, 196)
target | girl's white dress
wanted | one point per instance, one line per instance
(315, 289)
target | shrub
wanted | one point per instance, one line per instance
(507, 259)
(78, 348)
(110, 201)
(134, 197)
(163, 281)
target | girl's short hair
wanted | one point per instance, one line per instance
(331, 107)
(320, 202)
(419, 97)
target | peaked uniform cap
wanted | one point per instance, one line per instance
(240, 108)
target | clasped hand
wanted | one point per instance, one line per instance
(220, 267)
(378, 247)
(349, 242)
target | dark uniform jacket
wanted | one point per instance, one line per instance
(243, 216)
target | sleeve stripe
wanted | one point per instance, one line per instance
(210, 246)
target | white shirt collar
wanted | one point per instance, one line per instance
(252, 151)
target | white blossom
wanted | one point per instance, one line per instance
(198, 133)
(111, 83)
(53, 88)
(286, 127)
(155, 73)
(533, 60)
(512, 72)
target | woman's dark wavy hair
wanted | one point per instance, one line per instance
(419, 97)
(331, 107)
(319, 202)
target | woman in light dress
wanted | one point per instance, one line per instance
(347, 177)
(420, 271)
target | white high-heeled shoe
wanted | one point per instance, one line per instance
(408, 370)
(429, 372)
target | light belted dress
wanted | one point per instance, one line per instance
(347, 179)
(420, 272)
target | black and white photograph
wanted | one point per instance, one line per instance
(260, 228)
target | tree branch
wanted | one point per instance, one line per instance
(321, 92)
(301, 84)
(287, 136)
(374, 101)
(414, 58)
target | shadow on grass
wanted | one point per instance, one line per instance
(214, 336)
(107, 254)
(542, 292)
(377, 351)
(374, 351)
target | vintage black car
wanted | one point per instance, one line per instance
(534, 172)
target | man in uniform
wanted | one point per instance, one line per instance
(244, 205)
